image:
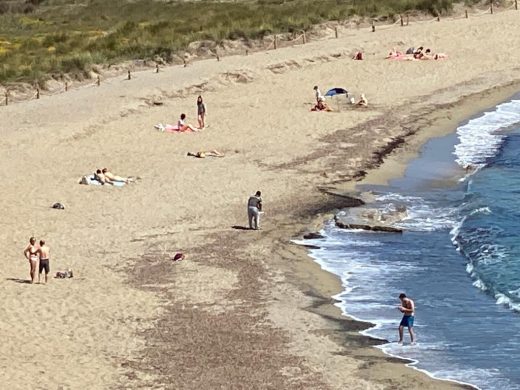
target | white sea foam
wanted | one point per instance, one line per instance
(480, 284)
(480, 138)
(481, 210)
(421, 215)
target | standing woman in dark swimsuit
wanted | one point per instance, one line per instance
(201, 112)
(31, 253)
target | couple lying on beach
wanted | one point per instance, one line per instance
(104, 176)
(415, 54)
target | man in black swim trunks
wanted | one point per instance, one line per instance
(44, 252)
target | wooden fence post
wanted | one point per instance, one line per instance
(491, 3)
(247, 52)
(438, 18)
(407, 19)
(373, 27)
(66, 86)
(156, 68)
(402, 21)
(304, 38)
(6, 97)
(516, 5)
(336, 32)
(37, 93)
(98, 81)
(275, 42)
(129, 75)
(466, 12)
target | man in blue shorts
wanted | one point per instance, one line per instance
(407, 308)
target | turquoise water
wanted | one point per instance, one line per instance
(459, 257)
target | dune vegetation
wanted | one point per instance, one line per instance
(49, 38)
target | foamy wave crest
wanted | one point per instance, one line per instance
(422, 216)
(479, 138)
(504, 300)
(481, 256)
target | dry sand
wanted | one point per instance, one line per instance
(245, 309)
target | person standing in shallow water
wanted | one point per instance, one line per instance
(407, 307)
(201, 112)
(254, 206)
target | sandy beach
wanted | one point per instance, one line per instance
(245, 309)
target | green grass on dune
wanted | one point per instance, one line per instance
(56, 37)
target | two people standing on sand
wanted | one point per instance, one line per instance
(407, 307)
(35, 254)
(254, 207)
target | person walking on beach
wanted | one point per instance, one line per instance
(201, 112)
(407, 307)
(319, 96)
(44, 253)
(31, 253)
(254, 207)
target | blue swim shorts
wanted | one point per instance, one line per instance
(407, 321)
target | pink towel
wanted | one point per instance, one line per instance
(171, 128)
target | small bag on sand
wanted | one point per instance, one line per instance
(178, 257)
(64, 274)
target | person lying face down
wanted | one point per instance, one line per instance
(206, 153)
(99, 176)
(110, 176)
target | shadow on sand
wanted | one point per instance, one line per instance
(237, 227)
(24, 281)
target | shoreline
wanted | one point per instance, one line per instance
(393, 167)
(320, 286)
(244, 308)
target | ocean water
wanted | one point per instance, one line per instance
(459, 257)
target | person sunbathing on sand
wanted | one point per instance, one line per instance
(181, 124)
(363, 102)
(111, 177)
(394, 54)
(418, 53)
(99, 176)
(321, 106)
(207, 153)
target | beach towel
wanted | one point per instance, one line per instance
(91, 180)
(170, 128)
